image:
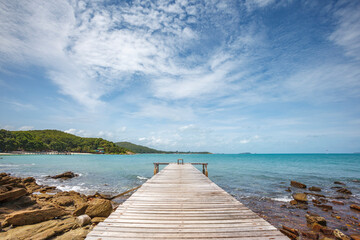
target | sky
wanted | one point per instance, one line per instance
(260, 76)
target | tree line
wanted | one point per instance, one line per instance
(54, 140)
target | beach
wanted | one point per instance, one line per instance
(261, 182)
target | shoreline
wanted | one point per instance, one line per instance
(287, 216)
(29, 210)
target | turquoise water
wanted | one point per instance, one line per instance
(242, 175)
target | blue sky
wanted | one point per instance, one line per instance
(262, 76)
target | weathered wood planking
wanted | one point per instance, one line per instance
(182, 203)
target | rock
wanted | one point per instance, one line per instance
(355, 237)
(288, 234)
(45, 230)
(34, 216)
(293, 202)
(83, 220)
(63, 201)
(355, 207)
(288, 189)
(344, 190)
(300, 197)
(96, 220)
(99, 208)
(311, 219)
(12, 194)
(77, 234)
(340, 183)
(297, 184)
(292, 230)
(46, 189)
(65, 175)
(80, 210)
(340, 235)
(323, 206)
(3, 189)
(28, 180)
(315, 189)
(338, 202)
(310, 235)
(315, 194)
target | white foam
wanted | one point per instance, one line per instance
(282, 199)
(142, 178)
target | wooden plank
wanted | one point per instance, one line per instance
(181, 203)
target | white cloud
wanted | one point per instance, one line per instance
(347, 33)
(25, 128)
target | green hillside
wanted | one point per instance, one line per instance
(54, 140)
(137, 148)
(142, 149)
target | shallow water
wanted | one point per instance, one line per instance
(242, 175)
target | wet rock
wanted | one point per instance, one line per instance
(300, 197)
(28, 180)
(339, 183)
(83, 220)
(339, 235)
(288, 234)
(13, 194)
(288, 189)
(338, 202)
(65, 175)
(355, 207)
(344, 190)
(316, 201)
(297, 184)
(342, 197)
(46, 189)
(324, 206)
(99, 208)
(311, 219)
(315, 194)
(310, 235)
(293, 202)
(96, 220)
(34, 216)
(3, 189)
(315, 189)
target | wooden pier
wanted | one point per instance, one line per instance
(180, 202)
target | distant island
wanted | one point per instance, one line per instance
(142, 149)
(44, 141)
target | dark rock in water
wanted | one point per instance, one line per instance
(290, 232)
(344, 190)
(355, 207)
(311, 219)
(356, 180)
(342, 197)
(323, 206)
(315, 194)
(336, 187)
(300, 197)
(297, 184)
(65, 175)
(340, 183)
(288, 189)
(310, 235)
(293, 202)
(315, 189)
(338, 202)
(29, 179)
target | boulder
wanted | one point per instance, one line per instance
(83, 220)
(300, 197)
(99, 208)
(28, 180)
(312, 219)
(355, 207)
(34, 216)
(288, 234)
(297, 184)
(338, 202)
(340, 183)
(315, 189)
(80, 210)
(3, 189)
(65, 175)
(344, 190)
(310, 235)
(339, 235)
(64, 201)
(12, 194)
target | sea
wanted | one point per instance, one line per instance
(245, 176)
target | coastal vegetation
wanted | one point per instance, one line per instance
(54, 140)
(142, 149)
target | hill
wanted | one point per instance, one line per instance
(142, 149)
(138, 148)
(54, 140)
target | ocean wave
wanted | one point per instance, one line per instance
(142, 178)
(75, 188)
(282, 199)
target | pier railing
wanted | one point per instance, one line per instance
(180, 162)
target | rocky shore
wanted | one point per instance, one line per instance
(32, 211)
(313, 214)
